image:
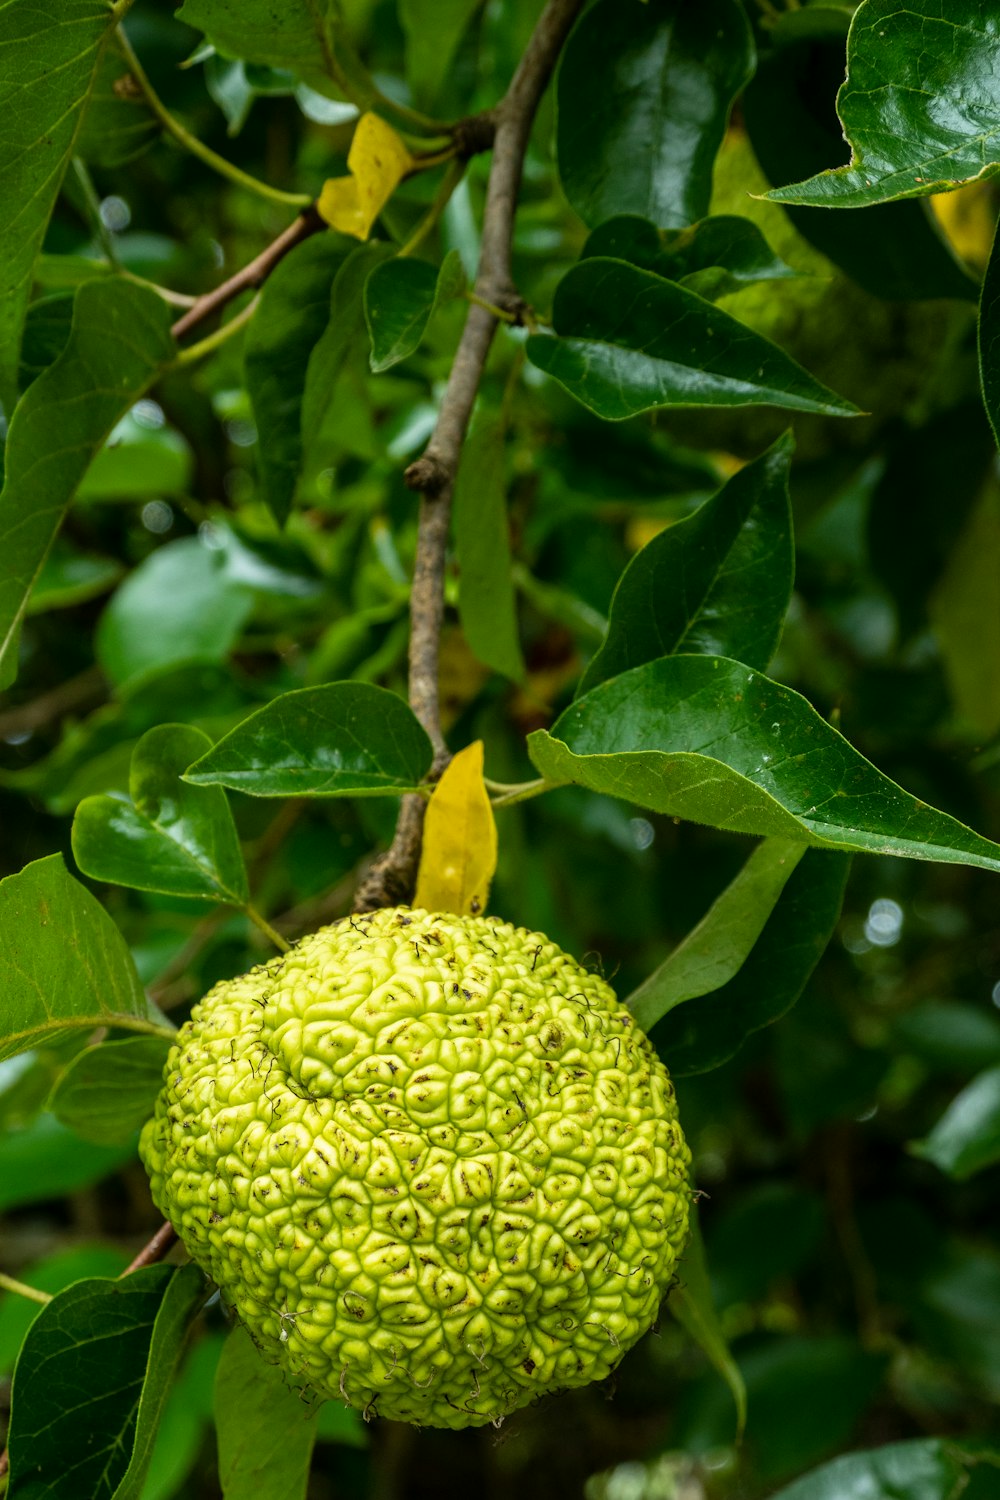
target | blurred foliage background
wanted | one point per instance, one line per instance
(859, 1285)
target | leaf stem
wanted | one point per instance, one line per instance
(222, 335)
(269, 932)
(523, 791)
(105, 238)
(21, 1290)
(197, 148)
(449, 183)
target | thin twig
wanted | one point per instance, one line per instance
(154, 1250)
(21, 1289)
(85, 690)
(251, 275)
(392, 877)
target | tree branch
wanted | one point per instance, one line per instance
(392, 877)
(162, 1241)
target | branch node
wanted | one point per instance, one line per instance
(428, 476)
(474, 134)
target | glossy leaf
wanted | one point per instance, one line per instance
(629, 341)
(265, 1430)
(643, 100)
(918, 106)
(108, 1091)
(922, 1469)
(692, 1305)
(967, 1137)
(989, 337)
(344, 739)
(714, 952)
(892, 250)
(401, 297)
(713, 258)
(697, 1038)
(48, 68)
(344, 329)
(704, 738)
(718, 582)
(64, 965)
(120, 340)
(486, 600)
(458, 856)
(294, 306)
(172, 837)
(433, 30)
(377, 161)
(92, 1380)
(176, 607)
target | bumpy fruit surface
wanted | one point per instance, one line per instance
(431, 1162)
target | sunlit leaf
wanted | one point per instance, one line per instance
(459, 852)
(378, 161)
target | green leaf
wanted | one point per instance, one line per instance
(692, 1305)
(697, 1038)
(715, 950)
(630, 342)
(50, 1275)
(50, 55)
(108, 1091)
(922, 1469)
(967, 1137)
(344, 330)
(704, 738)
(120, 340)
(713, 258)
(118, 124)
(718, 582)
(266, 1432)
(172, 837)
(643, 97)
(92, 1380)
(63, 964)
(302, 35)
(401, 297)
(893, 250)
(293, 309)
(989, 337)
(486, 602)
(344, 739)
(46, 332)
(68, 578)
(918, 106)
(433, 30)
(178, 606)
(963, 610)
(45, 1159)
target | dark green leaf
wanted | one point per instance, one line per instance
(989, 337)
(63, 964)
(949, 1036)
(44, 1160)
(918, 106)
(172, 837)
(50, 1275)
(692, 1305)
(892, 250)
(697, 1038)
(303, 35)
(91, 1381)
(713, 258)
(118, 123)
(715, 951)
(108, 1091)
(963, 610)
(49, 60)
(47, 326)
(401, 297)
(344, 330)
(294, 306)
(69, 578)
(434, 29)
(119, 342)
(718, 582)
(967, 1137)
(704, 738)
(643, 100)
(630, 342)
(344, 739)
(266, 1432)
(486, 600)
(177, 607)
(922, 1469)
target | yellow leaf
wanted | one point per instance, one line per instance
(378, 161)
(460, 840)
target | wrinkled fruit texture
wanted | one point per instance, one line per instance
(431, 1162)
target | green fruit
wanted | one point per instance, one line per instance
(431, 1162)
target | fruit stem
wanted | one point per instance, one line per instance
(18, 1287)
(269, 932)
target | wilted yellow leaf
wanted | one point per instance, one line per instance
(460, 840)
(378, 162)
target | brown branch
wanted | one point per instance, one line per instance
(162, 1241)
(251, 275)
(392, 877)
